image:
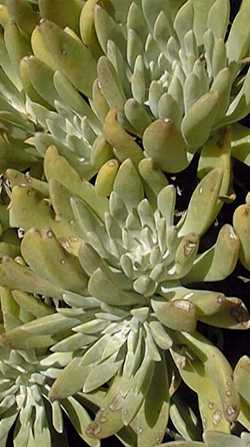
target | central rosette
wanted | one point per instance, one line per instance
(147, 244)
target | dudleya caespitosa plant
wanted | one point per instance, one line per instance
(172, 81)
(119, 270)
(26, 377)
(173, 77)
(41, 104)
(46, 99)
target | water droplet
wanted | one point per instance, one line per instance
(103, 420)
(189, 247)
(72, 222)
(228, 393)
(116, 403)
(93, 429)
(100, 417)
(231, 412)
(184, 305)
(217, 416)
(211, 405)
(139, 430)
(49, 234)
(220, 299)
(62, 261)
(201, 190)
(112, 163)
(181, 363)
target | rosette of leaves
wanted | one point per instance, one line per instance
(146, 61)
(39, 100)
(46, 79)
(121, 268)
(27, 416)
(172, 81)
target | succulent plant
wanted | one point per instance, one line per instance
(39, 103)
(44, 97)
(171, 81)
(26, 376)
(214, 439)
(104, 282)
(162, 73)
(120, 271)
